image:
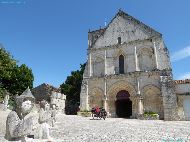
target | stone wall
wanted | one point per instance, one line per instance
(108, 58)
(149, 82)
(124, 26)
(59, 100)
(182, 88)
(169, 97)
(104, 49)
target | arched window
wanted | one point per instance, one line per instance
(121, 64)
(119, 40)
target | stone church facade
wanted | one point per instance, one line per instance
(128, 72)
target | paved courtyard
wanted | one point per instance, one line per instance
(84, 129)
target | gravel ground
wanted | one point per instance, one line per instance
(84, 129)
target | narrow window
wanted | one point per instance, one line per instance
(119, 40)
(121, 64)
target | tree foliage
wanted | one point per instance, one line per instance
(13, 78)
(72, 87)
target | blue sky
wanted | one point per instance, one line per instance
(50, 36)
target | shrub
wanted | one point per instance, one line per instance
(150, 113)
(84, 113)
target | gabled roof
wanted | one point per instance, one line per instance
(47, 87)
(126, 16)
(144, 26)
(186, 81)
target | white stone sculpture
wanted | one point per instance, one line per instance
(45, 120)
(53, 114)
(18, 128)
(6, 101)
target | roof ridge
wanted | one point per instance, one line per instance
(97, 30)
(182, 81)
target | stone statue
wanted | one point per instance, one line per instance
(18, 128)
(84, 85)
(44, 120)
(6, 100)
(53, 113)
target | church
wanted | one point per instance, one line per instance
(128, 72)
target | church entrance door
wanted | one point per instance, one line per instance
(123, 104)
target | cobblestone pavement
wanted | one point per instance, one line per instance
(84, 129)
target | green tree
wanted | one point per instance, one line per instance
(72, 87)
(21, 78)
(7, 63)
(13, 78)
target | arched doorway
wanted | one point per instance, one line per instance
(123, 104)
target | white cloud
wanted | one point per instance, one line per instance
(184, 76)
(181, 54)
